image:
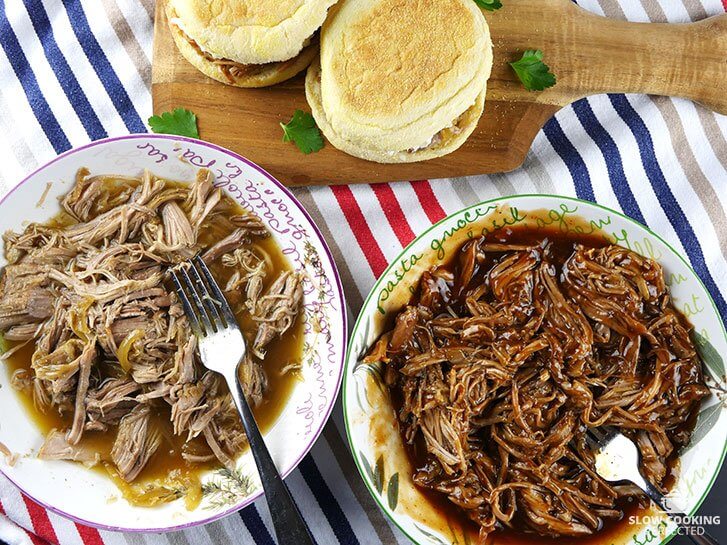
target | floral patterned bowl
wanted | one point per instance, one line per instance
(370, 420)
(90, 497)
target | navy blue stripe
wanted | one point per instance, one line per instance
(256, 526)
(102, 66)
(327, 502)
(668, 202)
(38, 103)
(614, 163)
(576, 166)
(66, 78)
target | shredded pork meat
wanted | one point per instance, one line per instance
(113, 349)
(506, 357)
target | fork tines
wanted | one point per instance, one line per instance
(599, 437)
(202, 299)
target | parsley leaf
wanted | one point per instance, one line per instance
(533, 72)
(489, 5)
(181, 122)
(303, 131)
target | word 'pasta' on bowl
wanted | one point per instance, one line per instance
(497, 339)
(109, 416)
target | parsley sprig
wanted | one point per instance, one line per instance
(489, 5)
(180, 122)
(533, 72)
(303, 132)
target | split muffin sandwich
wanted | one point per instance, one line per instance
(400, 81)
(248, 43)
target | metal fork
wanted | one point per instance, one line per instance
(221, 349)
(618, 459)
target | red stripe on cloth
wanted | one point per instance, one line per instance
(724, 3)
(428, 199)
(359, 226)
(392, 209)
(89, 536)
(35, 540)
(39, 518)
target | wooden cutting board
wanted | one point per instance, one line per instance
(589, 55)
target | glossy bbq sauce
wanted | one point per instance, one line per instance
(167, 465)
(562, 246)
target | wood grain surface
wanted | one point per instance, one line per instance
(589, 55)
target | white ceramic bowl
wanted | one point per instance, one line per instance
(89, 497)
(371, 423)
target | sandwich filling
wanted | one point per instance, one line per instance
(453, 129)
(234, 70)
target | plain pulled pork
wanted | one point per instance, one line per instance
(112, 350)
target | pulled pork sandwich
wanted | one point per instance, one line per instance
(400, 81)
(508, 355)
(100, 342)
(248, 43)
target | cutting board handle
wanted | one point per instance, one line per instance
(683, 60)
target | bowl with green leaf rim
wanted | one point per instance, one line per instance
(371, 423)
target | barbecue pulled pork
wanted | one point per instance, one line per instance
(506, 357)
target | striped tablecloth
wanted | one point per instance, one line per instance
(78, 70)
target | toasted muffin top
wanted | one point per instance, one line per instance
(250, 31)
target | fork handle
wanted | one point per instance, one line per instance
(290, 528)
(695, 532)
